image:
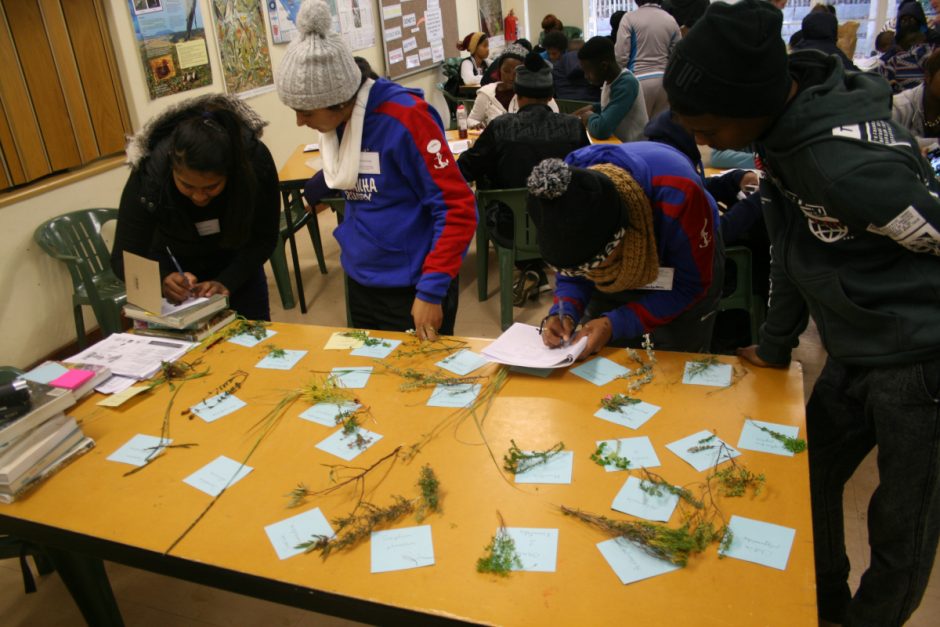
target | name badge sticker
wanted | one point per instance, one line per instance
(208, 227)
(663, 280)
(369, 163)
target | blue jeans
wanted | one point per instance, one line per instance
(853, 409)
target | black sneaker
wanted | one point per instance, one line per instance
(528, 288)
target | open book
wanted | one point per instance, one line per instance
(521, 345)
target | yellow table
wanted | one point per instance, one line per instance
(91, 509)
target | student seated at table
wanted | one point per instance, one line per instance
(570, 83)
(622, 110)
(473, 68)
(632, 236)
(555, 44)
(496, 99)
(202, 187)
(918, 109)
(508, 149)
(409, 214)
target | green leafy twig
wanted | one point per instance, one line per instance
(363, 336)
(612, 458)
(500, 555)
(701, 366)
(177, 371)
(518, 461)
(430, 500)
(705, 444)
(442, 344)
(655, 485)
(615, 402)
(228, 387)
(794, 445)
(275, 352)
(416, 379)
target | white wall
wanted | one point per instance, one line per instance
(36, 313)
(570, 12)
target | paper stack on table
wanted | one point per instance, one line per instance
(134, 356)
(521, 345)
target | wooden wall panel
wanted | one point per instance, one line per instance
(13, 173)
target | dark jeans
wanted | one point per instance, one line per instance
(251, 299)
(389, 308)
(853, 409)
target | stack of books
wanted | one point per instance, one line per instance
(36, 444)
(192, 321)
(80, 379)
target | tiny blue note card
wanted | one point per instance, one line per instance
(537, 548)
(217, 406)
(285, 362)
(634, 501)
(753, 438)
(703, 450)
(326, 414)
(246, 339)
(633, 416)
(347, 446)
(639, 451)
(718, 375)
(285, 535)
(557, 469)
(217, 475)
(759, 542)
(351, 376)
(462, 362)
(600, 371)
(139, 450)
(381, 350)
(457, 395)
(401, 549)
(631, 563)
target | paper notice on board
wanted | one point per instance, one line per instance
(425, 54)
(391, 34)
(412, 61)
(433, 24)
(395, 56)
(391, 12)
(409, 44)
(192, 53)
(437, 51)
(434, 4)
(409, 20)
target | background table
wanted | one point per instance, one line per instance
(91, 509)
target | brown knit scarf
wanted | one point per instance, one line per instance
(635, 262)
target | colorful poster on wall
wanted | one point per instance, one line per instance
(243, 46)
(351, 18)
(171, 38)
(491, 23)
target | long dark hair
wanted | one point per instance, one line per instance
(214, 140)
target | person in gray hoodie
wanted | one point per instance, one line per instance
(854, 218)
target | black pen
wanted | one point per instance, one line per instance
(179, 269)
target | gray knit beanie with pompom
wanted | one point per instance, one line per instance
(318, 69)
(575, 211)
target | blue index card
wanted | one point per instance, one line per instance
(634, 501)
(639, 451)
(248, 340)
(754, 439)
(633, 416)
(217, 475)
(288, 361)
(217, 406)
(759, 542)
(537, 548)
(351, 376)
(600, 371)
(457, 395)
(45, 372)
(718, 375)
(631, 563)
(556, 470)
(535, 372)
(401, 549)
(286, 534)
(348, 446)
(379, 351)
(139, 450)
(326, 413)
(462, 362)
(711, 451)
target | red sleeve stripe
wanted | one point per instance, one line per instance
(577, 304)
(460, 217)
(700, 234)
(647, 319)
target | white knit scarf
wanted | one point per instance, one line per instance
(341, 159)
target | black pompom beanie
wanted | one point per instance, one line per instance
(732, 63)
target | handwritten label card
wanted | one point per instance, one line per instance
(217, 475)
(119, 398)
(557, 469)
(633, 416)
(341, 342)
(217, 406)
(458, 395)
(707, 450)
(462, 362)
(600, 371)
(634, 501)
(326, 413)
(378, 351)
(537, 548)
(639, 451)
(760, 542)
(248, 340)
(347, 446)
(286, 362)
(288, 533)
(631, 563)
(401, 549)
(718, 375)
(753, 438)
(351, 376)
(138, 450)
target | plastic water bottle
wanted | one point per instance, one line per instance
(461, 121)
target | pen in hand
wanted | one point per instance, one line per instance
(565, 341)
(179, 269)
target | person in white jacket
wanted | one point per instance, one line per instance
(495, 99)
(918, 109)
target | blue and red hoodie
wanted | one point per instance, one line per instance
(411, 216)
(684, 220)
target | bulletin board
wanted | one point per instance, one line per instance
(417, 35)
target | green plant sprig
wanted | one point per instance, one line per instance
(363, 336)
(275, 352)
(500, 555)
(417, 380)
(612, 458)
(616, 402)
(518, 461)
(794, 445)
(701, 366)
(655, 485)
(414, 346)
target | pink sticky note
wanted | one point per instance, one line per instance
(72, 379)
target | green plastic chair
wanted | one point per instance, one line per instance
(525, 246)
(570, 106)
(573, 32)
(75, 239)
(743, 296)
(452, 102)
(293, 202)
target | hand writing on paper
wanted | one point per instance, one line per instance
(557, 330)
(598, 332)
(178, 287)
(209, 288)
(428, 319)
